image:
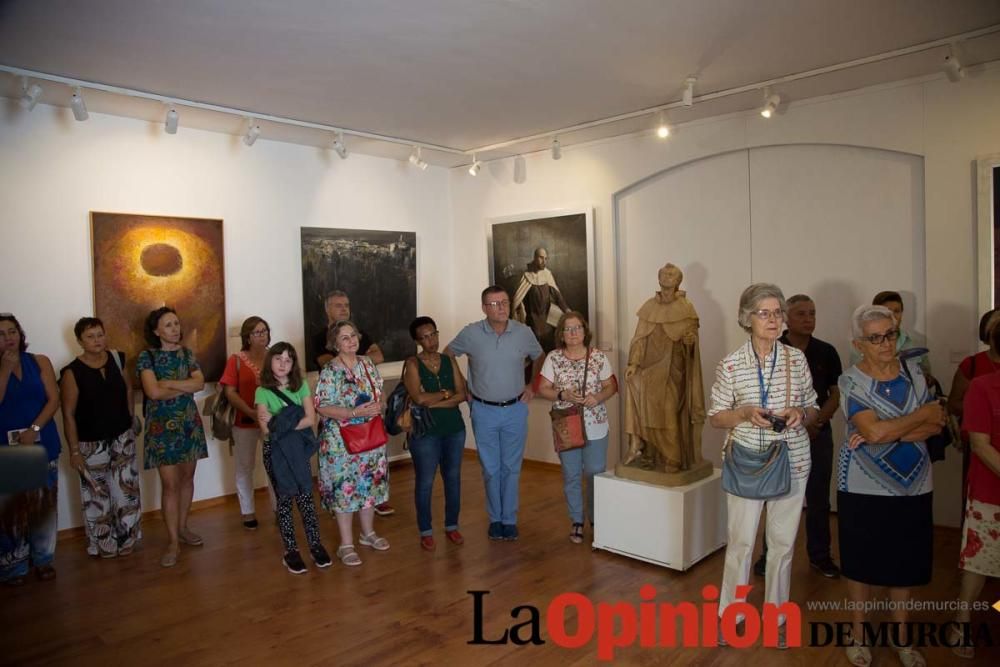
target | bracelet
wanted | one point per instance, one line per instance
(352, 413)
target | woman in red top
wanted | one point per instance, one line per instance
(241, 379)
(973, 366)
(980, 557)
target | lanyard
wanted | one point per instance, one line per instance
(764, 391)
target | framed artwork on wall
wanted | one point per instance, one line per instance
(378, 272)
(988, 210)
(143, 262)
(545, 261)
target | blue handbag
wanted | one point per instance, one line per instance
(760, 474)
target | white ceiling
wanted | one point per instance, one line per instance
(468, 73)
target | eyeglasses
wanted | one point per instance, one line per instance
(877, 339)
(573, 329)
(260, 333)
(497, 304)
(347, 337)
(431, 334)
(768, 314)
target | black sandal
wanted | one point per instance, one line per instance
(576, 534)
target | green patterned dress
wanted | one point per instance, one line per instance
(174, 433)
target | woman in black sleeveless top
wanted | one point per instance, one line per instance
(97, 420)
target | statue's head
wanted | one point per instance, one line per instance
(670, 276)
(541, 257)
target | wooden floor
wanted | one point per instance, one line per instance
(232, 601)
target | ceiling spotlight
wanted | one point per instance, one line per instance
(689, 90)
(520, 170)
(79, 106)
(663, 130)
(771, 103)
(170, 124)
(29, 94)
(952, 66)
(416, 160)
(253, 131)
(338, 145)
(556, 148)
(476, 166)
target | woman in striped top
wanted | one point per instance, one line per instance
(764, 378)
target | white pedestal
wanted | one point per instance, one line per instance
(670, 526)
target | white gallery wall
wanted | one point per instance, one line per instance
(889, 167)
(54, 171)
(811, 218)
(908, 149)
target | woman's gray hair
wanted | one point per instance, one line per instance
(334, 329)
(751, 298)
(867, 313)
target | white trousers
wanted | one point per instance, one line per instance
(245, 453)
(783, 515)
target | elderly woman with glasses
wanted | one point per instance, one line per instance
(349, 392)
(574, 374)
(763, 394)
(241, 379)
(884, 489)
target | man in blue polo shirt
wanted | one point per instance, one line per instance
(498, 348)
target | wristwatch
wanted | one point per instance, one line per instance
(447, 394)
(36, 428)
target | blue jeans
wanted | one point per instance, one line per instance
(500, 435)
(579, 464)
(30, 528)
(429, 451)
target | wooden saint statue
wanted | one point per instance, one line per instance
(664, 399)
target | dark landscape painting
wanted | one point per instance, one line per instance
(377, 270)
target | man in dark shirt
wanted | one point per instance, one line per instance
(825, 367)
(338, 307)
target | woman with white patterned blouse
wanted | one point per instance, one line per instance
(576, 374)
(761, 380)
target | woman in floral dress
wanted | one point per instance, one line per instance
(175, 438)
(350, 392)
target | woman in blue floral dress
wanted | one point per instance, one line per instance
(350, 392)
(175, 438)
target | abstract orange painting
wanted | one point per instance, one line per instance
(142, 262)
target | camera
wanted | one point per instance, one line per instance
(778, 424)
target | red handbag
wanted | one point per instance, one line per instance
(365, 436)
(567, 428)
(568, 431)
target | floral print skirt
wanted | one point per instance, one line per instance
(981, 539)
(350, 482)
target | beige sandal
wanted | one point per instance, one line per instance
(858, 654)
(348, 556)
(374, 541)
(960, 648)
(909, 656)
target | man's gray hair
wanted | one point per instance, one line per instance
(336, 293)
(868, 313)
(798, 298)
(751, 298)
